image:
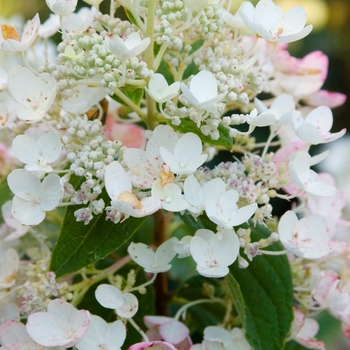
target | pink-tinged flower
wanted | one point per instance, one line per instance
(110, 297)
(307, 238)
(13, 43)
(14, 336)
(325, 280)
(268, 21)
(153, 345)
(62, 7)
(119, 187)
(35, 94)
(233, 339)
(130, 135)
(103, 335)
(315, 128)
(153, 261)
(214, 252)
(62, 325)
(326, 98)
(125, 49)
(169, 330)
(304, 330)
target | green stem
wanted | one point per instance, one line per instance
(130, 103)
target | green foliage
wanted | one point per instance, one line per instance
(267, 290)
(79, 245)
(293, 345)
(196, 46)
(187, 125)
(5, 195)
(131, 18)
(135, 95)
(191, 69)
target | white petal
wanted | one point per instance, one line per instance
(24, 185)
(117, 180)
(129, 307)
(26, 149)
(174, 332)
(109, 296)
(27, 212)
(50, 192)
(142, 254)
(51, 146)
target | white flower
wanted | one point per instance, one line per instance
(35, 94)
(12, 43)
(268, 21)
(14, 336)
(128, 48)
(118, 186)
(170, 194)
(315, 128)
(103, 335)
(8, 311)
(233, 339)
(222, 209)
(307, 238)
(187, 156)
(110, 297)
(62, 7)
(85, 98)
(50, 26)
(203, 91)
(9, 262)
(146, 166)
(79, 21)
(307, 179)
(159, 89)
(182, 247)
(61, 325)
(32, 198)
(151, 261)
(37, 154)
(213, 253)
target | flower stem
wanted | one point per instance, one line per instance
(133, 323)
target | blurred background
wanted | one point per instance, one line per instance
(331, 35)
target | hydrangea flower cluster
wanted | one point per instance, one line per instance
(113, 188)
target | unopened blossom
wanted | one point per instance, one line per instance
(187, 155)
(14, 336)
(145, 166)
(268, 21)
(307, 179)
(307, 238)
(304, 330)
(110, 297)
(33, 198)
(103, 335)
(213, 253)
(119, 187)
(35, 94)
(62, 7)
(9, 262)
(170, 195)
(37, 154)
(13, 43)
(62, 324)
(159, 89)
(221, 208)
(202, 91)
(125, 49)
(315, 128)
(153, 261)
(233, 339)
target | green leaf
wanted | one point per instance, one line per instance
(293, 345)
(267, 290)
(237, 298)
(191, 69)
(79, 245)
(131, 18)
(135, 95)
(164, 69)
(195, 46)
(5, 195)
(187, 125)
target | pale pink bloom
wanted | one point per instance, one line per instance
(338, 300)
(325, 280)
(62, 7)
(110, 297)
(153, 261)
(130, 135)
(326, 98)
(14, 336)
(214, 252)
(30, 32)
(304, 330)
(153, 345)
(119, 188)
(61, 325)
(315, 128)
(9, 262)
(307, 238)
(169, 330)
(268, 21)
